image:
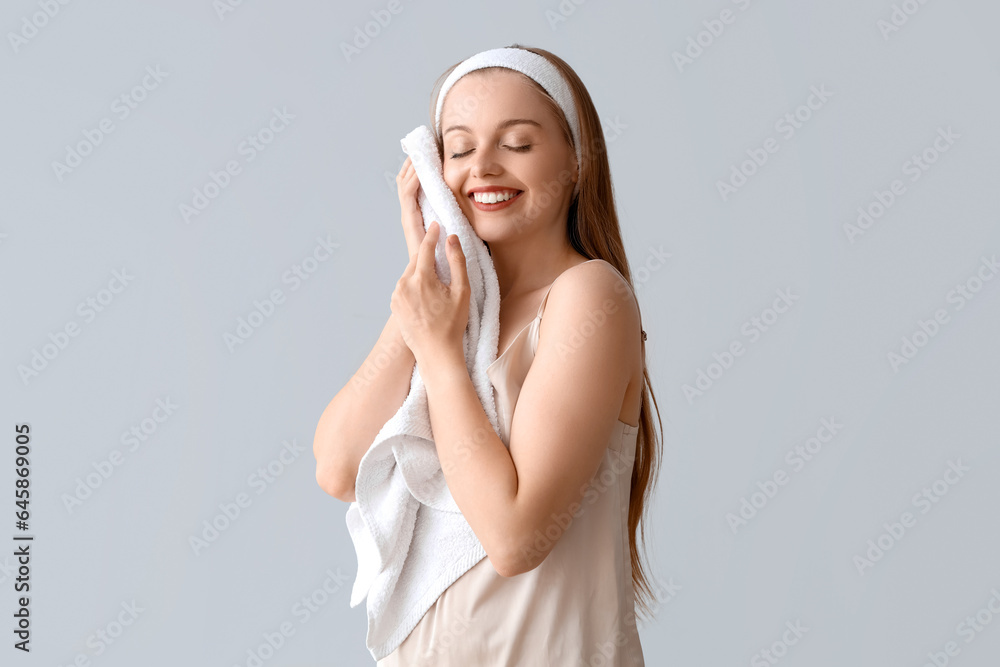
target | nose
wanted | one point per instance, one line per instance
(484, 163)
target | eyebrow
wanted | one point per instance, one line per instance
(500, 126)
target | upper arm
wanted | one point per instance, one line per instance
(569, 403)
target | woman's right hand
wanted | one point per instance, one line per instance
(407, 185)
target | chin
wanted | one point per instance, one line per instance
(492, 230)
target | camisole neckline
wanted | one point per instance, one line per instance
(511, 344)
(537, 315)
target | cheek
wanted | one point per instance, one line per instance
(452, 184)
(454, 179)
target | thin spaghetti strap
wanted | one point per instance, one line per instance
(545, 298)
(630, 289)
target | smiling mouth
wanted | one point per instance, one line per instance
(491, 202)
(496, 197)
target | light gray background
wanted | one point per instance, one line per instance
(330, 173)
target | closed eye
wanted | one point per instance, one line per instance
(519, 149)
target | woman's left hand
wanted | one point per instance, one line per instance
(432, 316)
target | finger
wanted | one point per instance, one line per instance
(456, 260)
(412, 181)
(402, 169)
(413, 226)
(411, 265)
(409, 187)
(406, 183)
(425, 255)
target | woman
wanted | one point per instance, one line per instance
(557, 499)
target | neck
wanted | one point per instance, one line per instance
(528, 265)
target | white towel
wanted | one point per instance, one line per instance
(411, 539)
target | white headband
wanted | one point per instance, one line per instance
(535, 67)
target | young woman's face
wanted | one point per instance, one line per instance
(498, 132)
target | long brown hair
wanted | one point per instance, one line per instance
(592, 226)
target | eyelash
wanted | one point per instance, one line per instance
(519, 149)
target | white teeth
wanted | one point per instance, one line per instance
(492, 197)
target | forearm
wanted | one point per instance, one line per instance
(477, 466)
(357, 413)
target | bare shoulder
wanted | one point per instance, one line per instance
(593, 300)
(595, 282)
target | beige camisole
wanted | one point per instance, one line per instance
(574, 609)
